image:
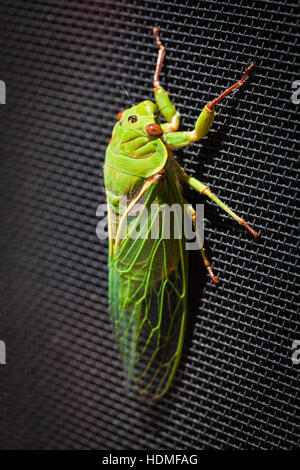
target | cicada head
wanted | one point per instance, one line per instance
(135, 150)
(142, 119)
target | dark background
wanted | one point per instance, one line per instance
(64, 64)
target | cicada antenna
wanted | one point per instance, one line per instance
(128, 95)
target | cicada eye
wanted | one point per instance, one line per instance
(154, 130)
(120, 114)
(132, 119)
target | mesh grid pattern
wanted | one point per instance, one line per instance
(64, 65)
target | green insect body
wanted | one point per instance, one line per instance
(148, 276)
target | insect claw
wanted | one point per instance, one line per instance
(212, 275)
(206, 260)
(256, 234)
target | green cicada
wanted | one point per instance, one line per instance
(148, 275)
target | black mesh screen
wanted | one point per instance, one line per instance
(64, 64)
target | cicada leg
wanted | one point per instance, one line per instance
(164, 104)
(233, 87)
(202, 188)
(192, 214)
(160, 58)
(205, 119)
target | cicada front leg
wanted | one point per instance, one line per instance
(239, 83)
(205, 119)
(164, 104)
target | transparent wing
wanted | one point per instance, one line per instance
(147, 293)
